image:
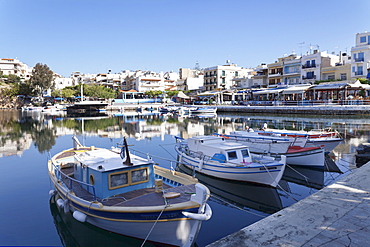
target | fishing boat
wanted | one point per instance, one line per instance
(208, 110)
(129, 195)
(213, 156)
(315, 138)
(87, 106)
(277, 146)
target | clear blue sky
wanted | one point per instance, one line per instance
(93, 36)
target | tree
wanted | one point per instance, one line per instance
(153, 93)
(13, 79)
(41, 78)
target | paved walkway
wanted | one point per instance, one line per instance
(338, 215)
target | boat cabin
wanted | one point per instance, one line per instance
(109, 175)
(220, 150)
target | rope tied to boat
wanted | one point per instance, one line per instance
(159, 216)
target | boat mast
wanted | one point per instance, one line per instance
(82, 97)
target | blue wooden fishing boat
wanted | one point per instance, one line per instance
(129, 195)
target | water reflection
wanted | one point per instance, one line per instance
(241, 194)
(19, 129)
(232, 202)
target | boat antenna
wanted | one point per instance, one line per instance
(125, 153)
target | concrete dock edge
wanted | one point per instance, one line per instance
(337, 215)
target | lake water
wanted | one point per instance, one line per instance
(27, 140)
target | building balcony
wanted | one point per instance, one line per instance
(308, 66)
(358, 60)
(275, 75)
(359, 73)
(308, 77)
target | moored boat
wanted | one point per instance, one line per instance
(198, 110)
(87, 106)
(277, 146)
(215, 157)
(129, 195)
(315, 138)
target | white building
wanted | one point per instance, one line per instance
(10, 66)
(221, 76)
(360, 61)
(312, 64)
(292, 70)
(190, 79)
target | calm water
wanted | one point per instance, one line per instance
(28, 213)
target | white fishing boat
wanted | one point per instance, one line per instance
(277, 146)
(209, 110)
(129, 195)
(32, 108)
(215, 157)
(315, 138)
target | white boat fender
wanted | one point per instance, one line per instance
(66, 206)
(201, 164)
(205, 216)
(60, 203)
(52, 192)
(81, 217)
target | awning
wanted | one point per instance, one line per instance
(330, 86)
(182, 95)
(296, 90)
(268, 91)
(358, 84)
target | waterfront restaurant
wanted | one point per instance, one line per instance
(338, 91)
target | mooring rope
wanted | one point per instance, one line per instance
(159, 216)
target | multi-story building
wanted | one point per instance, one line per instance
(190, 79)
(143, 81)
(312, 64)
(360, 61)
(340, 72)
(221, 76)
(10, 66)
(275, 72)
(260, 77)
(291, 70)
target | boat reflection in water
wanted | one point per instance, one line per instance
(309, 177)
(75, 233)
(265, 199)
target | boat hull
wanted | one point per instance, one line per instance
(309, 157)
(267, 174)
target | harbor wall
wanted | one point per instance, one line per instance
(316, 109)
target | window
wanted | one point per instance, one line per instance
(236, 73)
(363, 39)
(223, 73)
(232, 155)
(313, 63)
(360, 57)
(343, 76)
(139, 175)
(118, 180)
(331, 77)
(360, 70)
(245, 153)
(126, 178)
(308, 64)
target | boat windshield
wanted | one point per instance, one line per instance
(245, 153)
(232, 155)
